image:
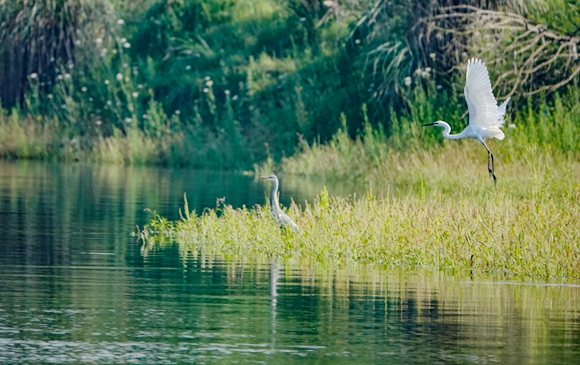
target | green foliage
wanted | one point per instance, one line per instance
(561, 15)
(249, 72)
(40, 37)
(218, 78)
(229, 84)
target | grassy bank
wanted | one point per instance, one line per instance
(450, 217)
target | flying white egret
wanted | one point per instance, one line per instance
(279, 216)
(485, 117)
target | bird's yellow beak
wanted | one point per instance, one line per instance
(263, 177)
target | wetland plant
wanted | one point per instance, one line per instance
(527, 227)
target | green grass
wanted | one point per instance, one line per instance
(453, 218)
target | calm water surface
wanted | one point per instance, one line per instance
(75, 288)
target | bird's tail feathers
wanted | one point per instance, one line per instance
(500, 135)
(501, 110)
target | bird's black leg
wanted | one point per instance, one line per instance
(490, 167)
(491, 171)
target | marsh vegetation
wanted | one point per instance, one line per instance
(436, 216)
(333, 90)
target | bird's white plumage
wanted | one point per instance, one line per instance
(501, 111)
(483, 109)
(485, 116)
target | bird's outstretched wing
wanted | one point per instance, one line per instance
(483, 110)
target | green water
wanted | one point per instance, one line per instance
(75, 288)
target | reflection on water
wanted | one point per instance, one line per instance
(74, 288)
(46, 207)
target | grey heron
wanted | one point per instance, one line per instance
(280, 217)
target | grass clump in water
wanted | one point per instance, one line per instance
(528, 231)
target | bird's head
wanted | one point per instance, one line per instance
(438, 123)
(269, 177)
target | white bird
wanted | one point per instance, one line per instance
(279, 216)
(485, 117)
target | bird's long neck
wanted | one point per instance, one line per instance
(275, 204)
(447, 130)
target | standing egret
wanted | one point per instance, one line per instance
(279, 216)
(485, 117)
